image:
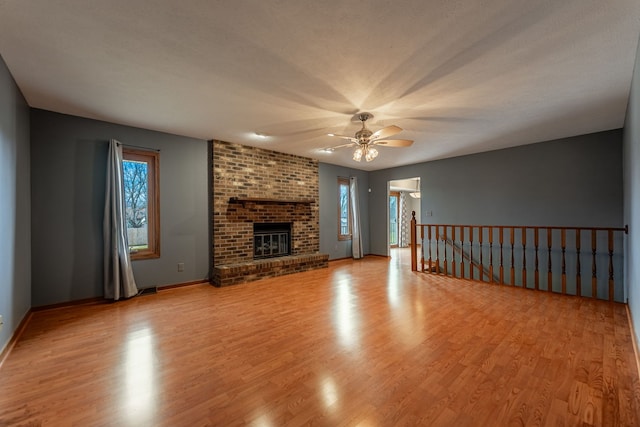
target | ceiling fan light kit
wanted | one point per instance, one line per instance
(365, 140)
(369, 153)
(357, 154)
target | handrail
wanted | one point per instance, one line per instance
(500, 254)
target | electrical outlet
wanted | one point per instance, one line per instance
(181, 266)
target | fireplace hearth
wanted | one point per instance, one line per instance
(271, 240)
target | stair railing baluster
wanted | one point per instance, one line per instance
(563, 239)
(414, 238)
(422, 248)
(437, 249)
(524, 257)
(537, 272)
(549, 273)
(611, 291)
(578, 267)
(480, 231)
(500, 230)
(471, 263)
(490, 254)
(512, 280)
(453, 250)
(462, 249)
(429, 247)
(594, 273)
(444, 249)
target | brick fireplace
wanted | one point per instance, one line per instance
(257, 186)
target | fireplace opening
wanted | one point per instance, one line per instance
(271, 239)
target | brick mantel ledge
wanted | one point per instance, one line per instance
(231, 274)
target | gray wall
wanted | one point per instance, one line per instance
(15, 208)
(329, 243)
(632, 197)
(569, 182)
(68, 177)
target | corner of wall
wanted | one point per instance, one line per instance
(631, 196)
(15, 199)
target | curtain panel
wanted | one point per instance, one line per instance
(118, 273)
(405, 221)
(356, 236)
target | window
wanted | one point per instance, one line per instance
(142, 202)
(344, 210)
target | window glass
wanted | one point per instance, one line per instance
(344, 216)
(141, 203)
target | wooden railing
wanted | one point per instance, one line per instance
(521, 255)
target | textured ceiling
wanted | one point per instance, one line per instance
(459, 77)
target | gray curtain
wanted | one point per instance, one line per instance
(405, 222)
(356, 238)
(118, 274)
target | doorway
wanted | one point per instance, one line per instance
(403, 198)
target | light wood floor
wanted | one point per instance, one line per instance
(361, 343)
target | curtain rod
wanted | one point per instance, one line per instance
(137, 146)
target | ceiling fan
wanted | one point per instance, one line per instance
(365, 140)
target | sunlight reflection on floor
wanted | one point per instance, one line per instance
(140, 387)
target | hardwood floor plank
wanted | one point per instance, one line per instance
(363, 342)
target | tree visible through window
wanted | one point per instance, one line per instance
(344, 211)
(141, 199)
(135, 193)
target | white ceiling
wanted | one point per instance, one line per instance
(459, 77)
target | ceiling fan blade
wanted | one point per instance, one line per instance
(335, 147)
(350, 138)
(394, 142)
(385, 132)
